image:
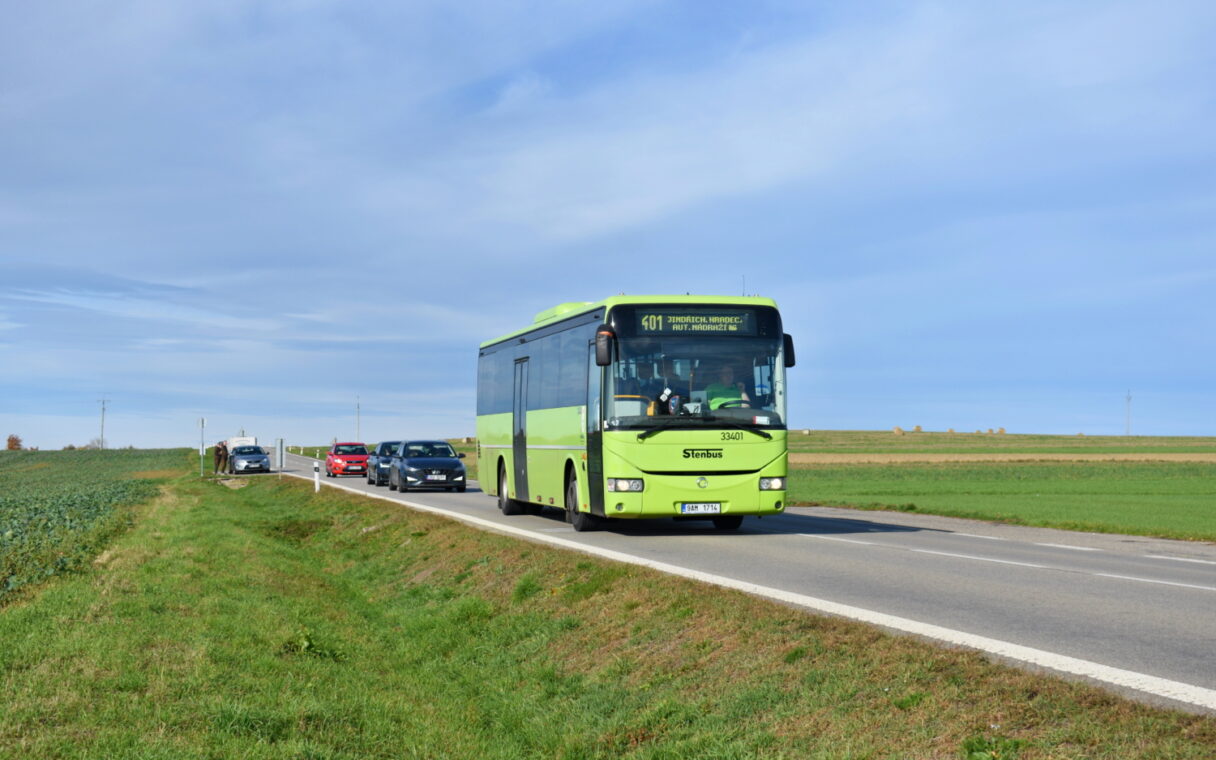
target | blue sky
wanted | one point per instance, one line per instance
(972, 216)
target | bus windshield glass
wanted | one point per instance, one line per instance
(696, 367)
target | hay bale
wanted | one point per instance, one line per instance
(951, 431)
(1000, 431)
(989, 431)
(917, 429)
(898, 430)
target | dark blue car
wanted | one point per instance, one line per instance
(426, 464)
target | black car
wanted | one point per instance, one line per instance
(378, 462)
(426, 464)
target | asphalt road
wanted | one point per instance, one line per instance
(1146, 607)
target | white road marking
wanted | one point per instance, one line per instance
(1181, 559)
(837, 538)
(982, 559)
(1074, 548)
(1161, 687)
(986, 538)
(1151, 580)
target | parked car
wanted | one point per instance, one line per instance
(426, 464)
(346, 459)
(378, 462)
(248, 459)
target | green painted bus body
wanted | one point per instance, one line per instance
(677, 466)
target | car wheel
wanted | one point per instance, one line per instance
(729, 522)
(369, 477)
(506, 504)
(580, 521)
(459, 489)
(392, 484)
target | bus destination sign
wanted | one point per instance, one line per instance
(698, 322)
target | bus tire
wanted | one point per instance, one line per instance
(729, 522)
(506, 504)
(580, 521)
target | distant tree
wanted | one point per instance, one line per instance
(70, 447)
(14, 442)
(95, 443)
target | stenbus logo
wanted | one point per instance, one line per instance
(702, 453)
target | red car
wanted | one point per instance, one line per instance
(346, 459)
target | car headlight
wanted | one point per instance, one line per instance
(625, 484)
(339, 461)
(772, 484)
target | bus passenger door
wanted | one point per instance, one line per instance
(519, 435)
(595, 436)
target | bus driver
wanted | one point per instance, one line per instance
(726, 390)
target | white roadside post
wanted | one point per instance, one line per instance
(316, 477)
(202, 446)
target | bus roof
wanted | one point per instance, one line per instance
(574, 308)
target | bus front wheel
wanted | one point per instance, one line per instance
(506, 504)
(580, 521)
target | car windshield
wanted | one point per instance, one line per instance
(248, 450)
(692, 381)
(387, 448)
(350, 449)
(429, 450)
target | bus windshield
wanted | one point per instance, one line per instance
(696, 381)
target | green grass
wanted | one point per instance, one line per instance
(1175, 500)
(886, 442)
(269, 622)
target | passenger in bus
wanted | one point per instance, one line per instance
(645, 384)
(725, 390)
(672, 381)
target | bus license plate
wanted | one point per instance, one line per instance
(701, 508)
(436, 477)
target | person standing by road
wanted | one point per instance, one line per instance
(221, 457)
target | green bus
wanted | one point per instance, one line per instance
(638, 407)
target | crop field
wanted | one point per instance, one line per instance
(57, 508)
(869, 442)
(1171, 500)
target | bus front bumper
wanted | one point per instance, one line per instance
(704, 495)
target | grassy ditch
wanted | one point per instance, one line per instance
(1172, 500)
(269, 622)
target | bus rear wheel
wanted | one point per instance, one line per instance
(580, 521)
(729, 522)
(506, 504)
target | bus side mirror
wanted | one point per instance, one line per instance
(605, 338)
(789, 349)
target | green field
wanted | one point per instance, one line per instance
(263, 621)
(1174, 500)
(57, 509)
(886, 442)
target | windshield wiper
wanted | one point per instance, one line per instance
(675, 422)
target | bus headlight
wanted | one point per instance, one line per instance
(625, 484)
(772, 484)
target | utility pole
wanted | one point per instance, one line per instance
(101, 442)
(1127, 430)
